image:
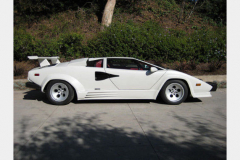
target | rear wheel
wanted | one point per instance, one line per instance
(59, 92)
(174, 92)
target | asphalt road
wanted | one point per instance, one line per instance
(119, 129)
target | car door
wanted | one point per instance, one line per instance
(92, 76)
(131, 74)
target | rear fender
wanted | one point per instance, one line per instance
(79, 88)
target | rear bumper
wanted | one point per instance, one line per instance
(214, 86)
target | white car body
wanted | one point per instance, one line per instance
(111, 83)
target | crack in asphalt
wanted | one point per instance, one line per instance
(144, 133)
(39, 127)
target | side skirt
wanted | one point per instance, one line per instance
(118, 94)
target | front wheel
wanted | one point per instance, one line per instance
(59, 92)
(174, 92)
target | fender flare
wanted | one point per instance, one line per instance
(166, 78)
(77, 86)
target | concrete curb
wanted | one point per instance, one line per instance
(221, 80)
(24, 84)
(212, 78)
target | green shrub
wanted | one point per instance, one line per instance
(67, 45)
(23, 44)
(70, 45)
(151, 42)
(147, 41)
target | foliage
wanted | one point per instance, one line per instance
(147, 41)
(23, 44)
(215, 9)
(32, 10)
(70, 45)
(67, 45)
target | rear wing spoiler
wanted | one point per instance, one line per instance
(43, 61)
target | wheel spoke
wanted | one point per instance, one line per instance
(59, 92)
(174, 92)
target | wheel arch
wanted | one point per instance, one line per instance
(74, 83)
(180, 79)
(185, 81)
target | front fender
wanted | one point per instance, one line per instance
(203, 91)
(79, 88)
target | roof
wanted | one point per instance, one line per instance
(83, 61)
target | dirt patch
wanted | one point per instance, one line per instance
(20, 69)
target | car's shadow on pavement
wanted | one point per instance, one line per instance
(191, 99)
(38, 95)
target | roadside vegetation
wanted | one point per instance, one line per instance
(182, 35)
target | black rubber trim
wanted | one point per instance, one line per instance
(99, 76)
(214, 86)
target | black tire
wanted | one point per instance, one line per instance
(174, 92)
(59, 92)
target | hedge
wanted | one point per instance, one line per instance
(147, 41)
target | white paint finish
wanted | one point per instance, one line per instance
(134, 79)
(121, 94)
(191, 81)
(131, 84)
(87, 78)
(43, 61)
(78, 62)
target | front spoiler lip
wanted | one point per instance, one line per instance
(214, 86)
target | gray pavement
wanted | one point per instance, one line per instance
(137, 130)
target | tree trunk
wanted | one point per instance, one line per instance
(191, 11)
(182, 11)
(108, 13)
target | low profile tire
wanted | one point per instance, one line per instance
(174, 92)
(59, 92)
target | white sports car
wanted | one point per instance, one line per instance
(114, 78)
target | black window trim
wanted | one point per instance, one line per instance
(102, 66)
(137, 61)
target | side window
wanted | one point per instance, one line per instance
(122, 64)
(96, 63)
(144, 66)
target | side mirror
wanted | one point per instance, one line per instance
(153, 69)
